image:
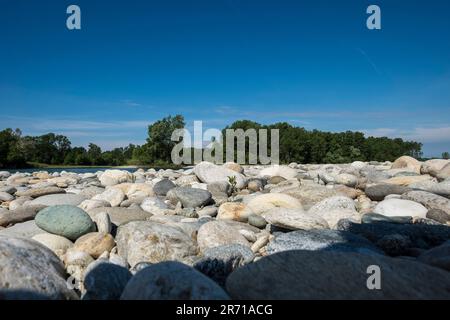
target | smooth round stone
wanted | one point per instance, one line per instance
(400, 207)
(95, 243)
(5, 196)
(162, 187)
(255, 185)
(67, 221)
(172, 280)
(257, 221)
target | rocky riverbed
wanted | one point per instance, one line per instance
(228, 232)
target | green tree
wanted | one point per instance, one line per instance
(94, 154)
(445, 155)
(159, 144)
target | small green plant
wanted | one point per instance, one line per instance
(232, 182)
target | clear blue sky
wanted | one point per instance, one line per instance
(311, 63)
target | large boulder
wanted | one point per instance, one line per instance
(140, 241)
(172, 281)
(433, 166)
(336, 275)
(429, 200)
(67, 221)
(162, 187)
(444, 173)
(29, 270)
(208, 172)
(233, 211)
(407, 163)
(22, 214)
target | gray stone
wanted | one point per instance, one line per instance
(92, 191)
(219, 262)
(335, 275)
(67, 221)
(140, 241)
(29, 266)
(429, 200)
(58, 199)
(172, 281)
(421, 235)
(162, 187)
(438, 215)
(217, 233)
(380, 191)
(5, 196)
(106, 281)
(26, 229)
(257, 221)
(190, 197)
(438, 256)
(375, 217)
(395, 244)
(325, 240)
(22, 214)
(120, 215)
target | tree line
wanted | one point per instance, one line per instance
(296, 145)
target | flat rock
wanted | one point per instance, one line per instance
(172, 281)
(335, 275)
(408, 163)
(95, 243)
(26, 229)
(380, 191)
(262, 203)
(10, 217)
(57, 200)
(332, 203)
(113, 177)
(39, 192)
(120, 215)
(279, 171)
(114, 196)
